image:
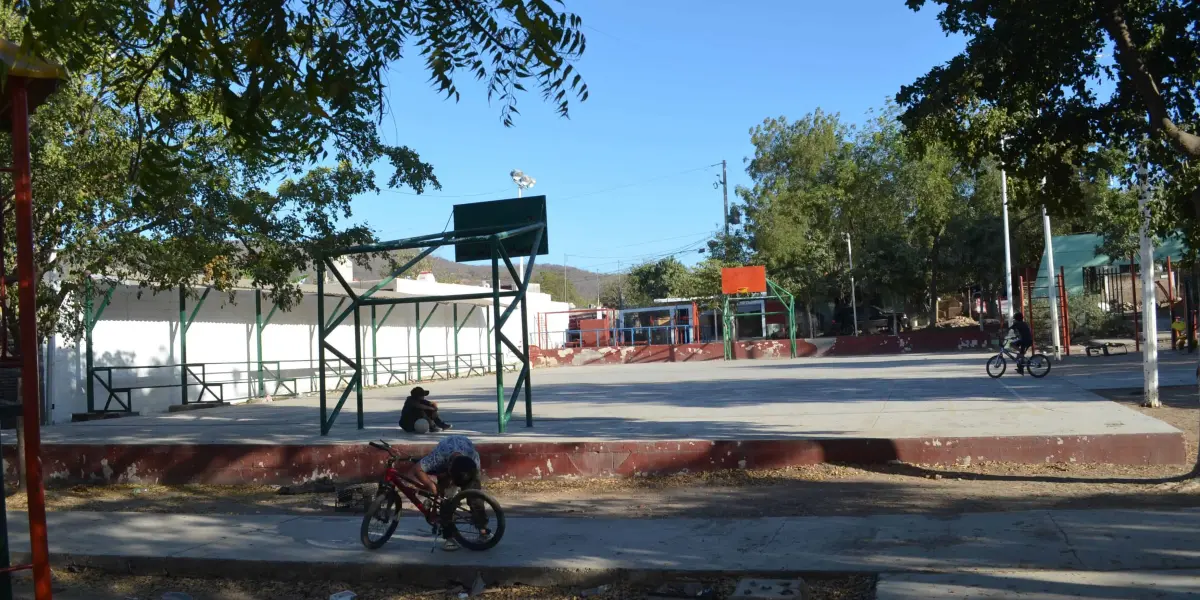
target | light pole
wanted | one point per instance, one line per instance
(853, 300)
(1008, 292)
(523, 182)
(1149, 302)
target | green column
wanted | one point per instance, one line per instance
(91, 316)
(88, 325)
(528, 361)
(417, 322)
(183, 325)
(358, 363)
(321, 345)
(455, 317)
(499, 344)
(258, 327)
(374, 348)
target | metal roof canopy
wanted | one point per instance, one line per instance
(492, 230)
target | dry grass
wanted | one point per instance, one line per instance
(96, 585)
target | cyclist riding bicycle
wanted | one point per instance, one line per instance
(1024, 339)
(455, 464)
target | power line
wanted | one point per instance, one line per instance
(492, 193)
(631, 184)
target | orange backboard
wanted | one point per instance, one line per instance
(743, 280)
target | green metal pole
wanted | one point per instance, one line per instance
(88, 325)
(358, 368)
(792, 323)
(499, 344)
(455, 317)
(528, 361)
(374, 348)
(258, 321)
(418, 317)
(321, 345)
(183, 327)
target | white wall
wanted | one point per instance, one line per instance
(142, 330)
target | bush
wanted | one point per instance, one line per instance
(1088, 320)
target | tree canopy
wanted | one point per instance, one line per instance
(1067, 84)
(202, 143)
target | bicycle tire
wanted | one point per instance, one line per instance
(1043, 367)
(451, 530)
(382, 500)
(996, 366)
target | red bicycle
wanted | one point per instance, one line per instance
(463, 518)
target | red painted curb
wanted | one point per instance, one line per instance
(283, 464)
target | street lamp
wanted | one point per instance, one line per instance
(522, 180)
(853, 301)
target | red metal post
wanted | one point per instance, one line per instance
(27, 315)
(1066, 311)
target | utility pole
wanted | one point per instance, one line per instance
(1149, 299)
(1055, 337)
(725, 196)
(1008, 292)
(853, 301)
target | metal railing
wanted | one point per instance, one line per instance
(622, 336)
(116, 384)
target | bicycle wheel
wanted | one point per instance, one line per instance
(383, 515)
(1038, 365)
(473, 519)
(996, 366)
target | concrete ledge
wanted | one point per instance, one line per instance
(290, 464)
(195, 406)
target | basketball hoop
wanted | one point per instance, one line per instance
(743, 280)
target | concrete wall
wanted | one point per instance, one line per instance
(141, 329)
(930, 340)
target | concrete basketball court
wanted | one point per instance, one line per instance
(882, 397)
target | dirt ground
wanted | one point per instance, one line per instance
(95, 585)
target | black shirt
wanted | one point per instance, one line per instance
(414, 408)
(1024, 333)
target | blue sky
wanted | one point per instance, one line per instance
(675, 87)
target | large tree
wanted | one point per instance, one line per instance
(1064, 83)
(159, 159)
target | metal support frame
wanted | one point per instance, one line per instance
(375, 325)
(457, 328)
(185, 322)
(775, 291)
(421, 327)
(494, 236)
(91, 316)
(260, 323)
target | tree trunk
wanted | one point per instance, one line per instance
(933, 277)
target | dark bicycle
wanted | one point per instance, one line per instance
(463, 518)
(1036, 364)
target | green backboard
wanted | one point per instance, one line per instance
(501, 215)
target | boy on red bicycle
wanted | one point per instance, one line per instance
(453, 463)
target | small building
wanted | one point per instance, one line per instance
(1087, 272)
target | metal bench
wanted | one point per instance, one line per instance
(1105, 347)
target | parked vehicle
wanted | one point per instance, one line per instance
(871, 320)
